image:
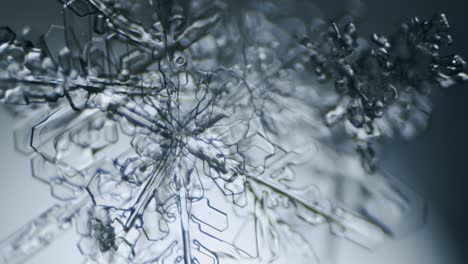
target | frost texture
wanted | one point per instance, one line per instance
(216, 131)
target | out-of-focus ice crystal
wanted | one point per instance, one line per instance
(216, 131)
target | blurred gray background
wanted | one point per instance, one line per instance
(433, 164)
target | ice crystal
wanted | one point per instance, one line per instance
(214, 131)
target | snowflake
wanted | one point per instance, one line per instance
(201, 131)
